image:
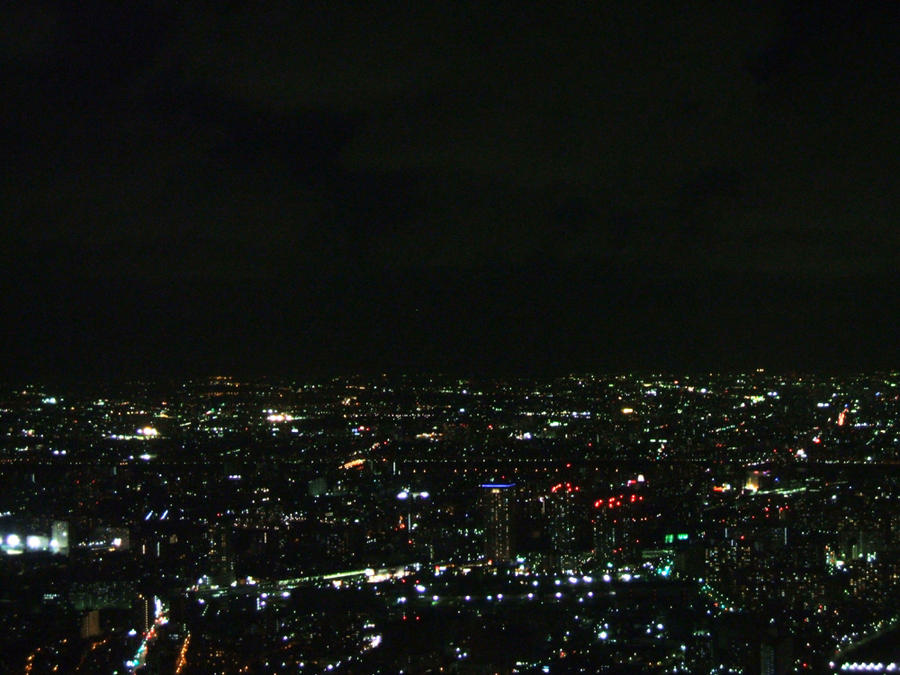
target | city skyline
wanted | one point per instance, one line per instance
(711, 523)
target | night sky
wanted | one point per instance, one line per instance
(484, 188)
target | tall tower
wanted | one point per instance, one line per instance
(563, 516)
(221, 564)
(498, 521)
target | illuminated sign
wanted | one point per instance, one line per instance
(671, 538)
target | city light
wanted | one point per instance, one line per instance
(585, 537)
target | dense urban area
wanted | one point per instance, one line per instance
(717, 523)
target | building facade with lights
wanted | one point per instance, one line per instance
(497, 500)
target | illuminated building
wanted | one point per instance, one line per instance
(109, 538)
(562, 507)
(497, 521)
(614, 525)
(90, 625)
(221, 564)
(411, 504)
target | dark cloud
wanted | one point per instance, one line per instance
(532, 170)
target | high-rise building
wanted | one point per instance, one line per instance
(144, 612)
(614, 525)
(562, 507)
(497, 499)
(221, 564)
(90, 624)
